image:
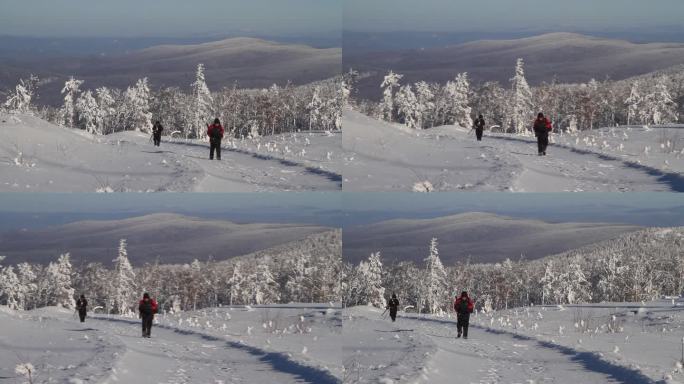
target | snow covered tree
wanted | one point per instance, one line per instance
(236, 283)
(87, 109)
(633, 103)
(369, 273)
(424, 104)
(389, 82)
(123, 282)
(138, 105)
(105, 110)
(202, 101)
(27, 284)
(406, 103)
(266, 290)
(459, 109)
(314, 108)
(661, 106)
(20, 99)
(70, 92)
(10, 290)
(61, 291)
(436, 285)
(520, 110)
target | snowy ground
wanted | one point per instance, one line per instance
(380, 156)
(283, 344)
(41, 157)
(608, 343)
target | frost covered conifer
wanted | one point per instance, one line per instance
(266, 290)
(424, 104)
(314, 107)
(236, 283)
(201, 106)
(10, 290)
(459, 109)
(521, 100)
(406, 106)
(633, 103)
(662, 108)
(105, 109)
(371, 290)
(20, 99)
(61, 291)
(138, 104)
(436, 285)
(88, 112)
(389, 82)
(123, 282)
(70, 92)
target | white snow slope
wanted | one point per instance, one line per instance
(38, 156)
(606, 343)
(381, 156)
(276, 344)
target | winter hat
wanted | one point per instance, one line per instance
(481, 116)
(146, 295)
(394, 295)
(540, 115)
(464, 293)
(216, 121)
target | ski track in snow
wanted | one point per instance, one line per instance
(381, 156)
(178, 356)
(431, 353)
(38, 156)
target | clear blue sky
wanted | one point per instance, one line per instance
(509, 15)
(168, 18)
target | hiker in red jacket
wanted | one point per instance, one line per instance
(215, 133)
(463, 306)
(542, 127)
(147, 308)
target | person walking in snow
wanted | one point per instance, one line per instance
(147, 308)
(215, 133)
(463, 306)
(157, 132)
(542, 127)
(393, 306)
(82, 308)
(479, 125)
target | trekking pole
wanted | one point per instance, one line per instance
(383, 313)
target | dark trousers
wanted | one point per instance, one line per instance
(82, 315)
(393, 314)
(157, 140)
(478, 134)
(214, 144)
(463, 319)
(147, 325)
(542, 143)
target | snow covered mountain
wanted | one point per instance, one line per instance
(250, 62)
(150, 236)
(482, 236)
(569, 57)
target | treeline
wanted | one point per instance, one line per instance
(243, 112)
(657, 98)
(307, 270)
(638, 266)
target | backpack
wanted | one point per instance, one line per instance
(215, 133)
(463, 306)
(146, 307)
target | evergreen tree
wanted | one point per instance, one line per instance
(202, 101)
(389, 82)
(123, 282)
(70, 92)
(436, 286)
(87, 109)
(61, 291)
(521, 100)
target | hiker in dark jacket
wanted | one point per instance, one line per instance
(157, 132)
(82, 307)
(147, 307)
(463, 306)
(542, 127)
(393, 306)
(215, 133)
(479, 125)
